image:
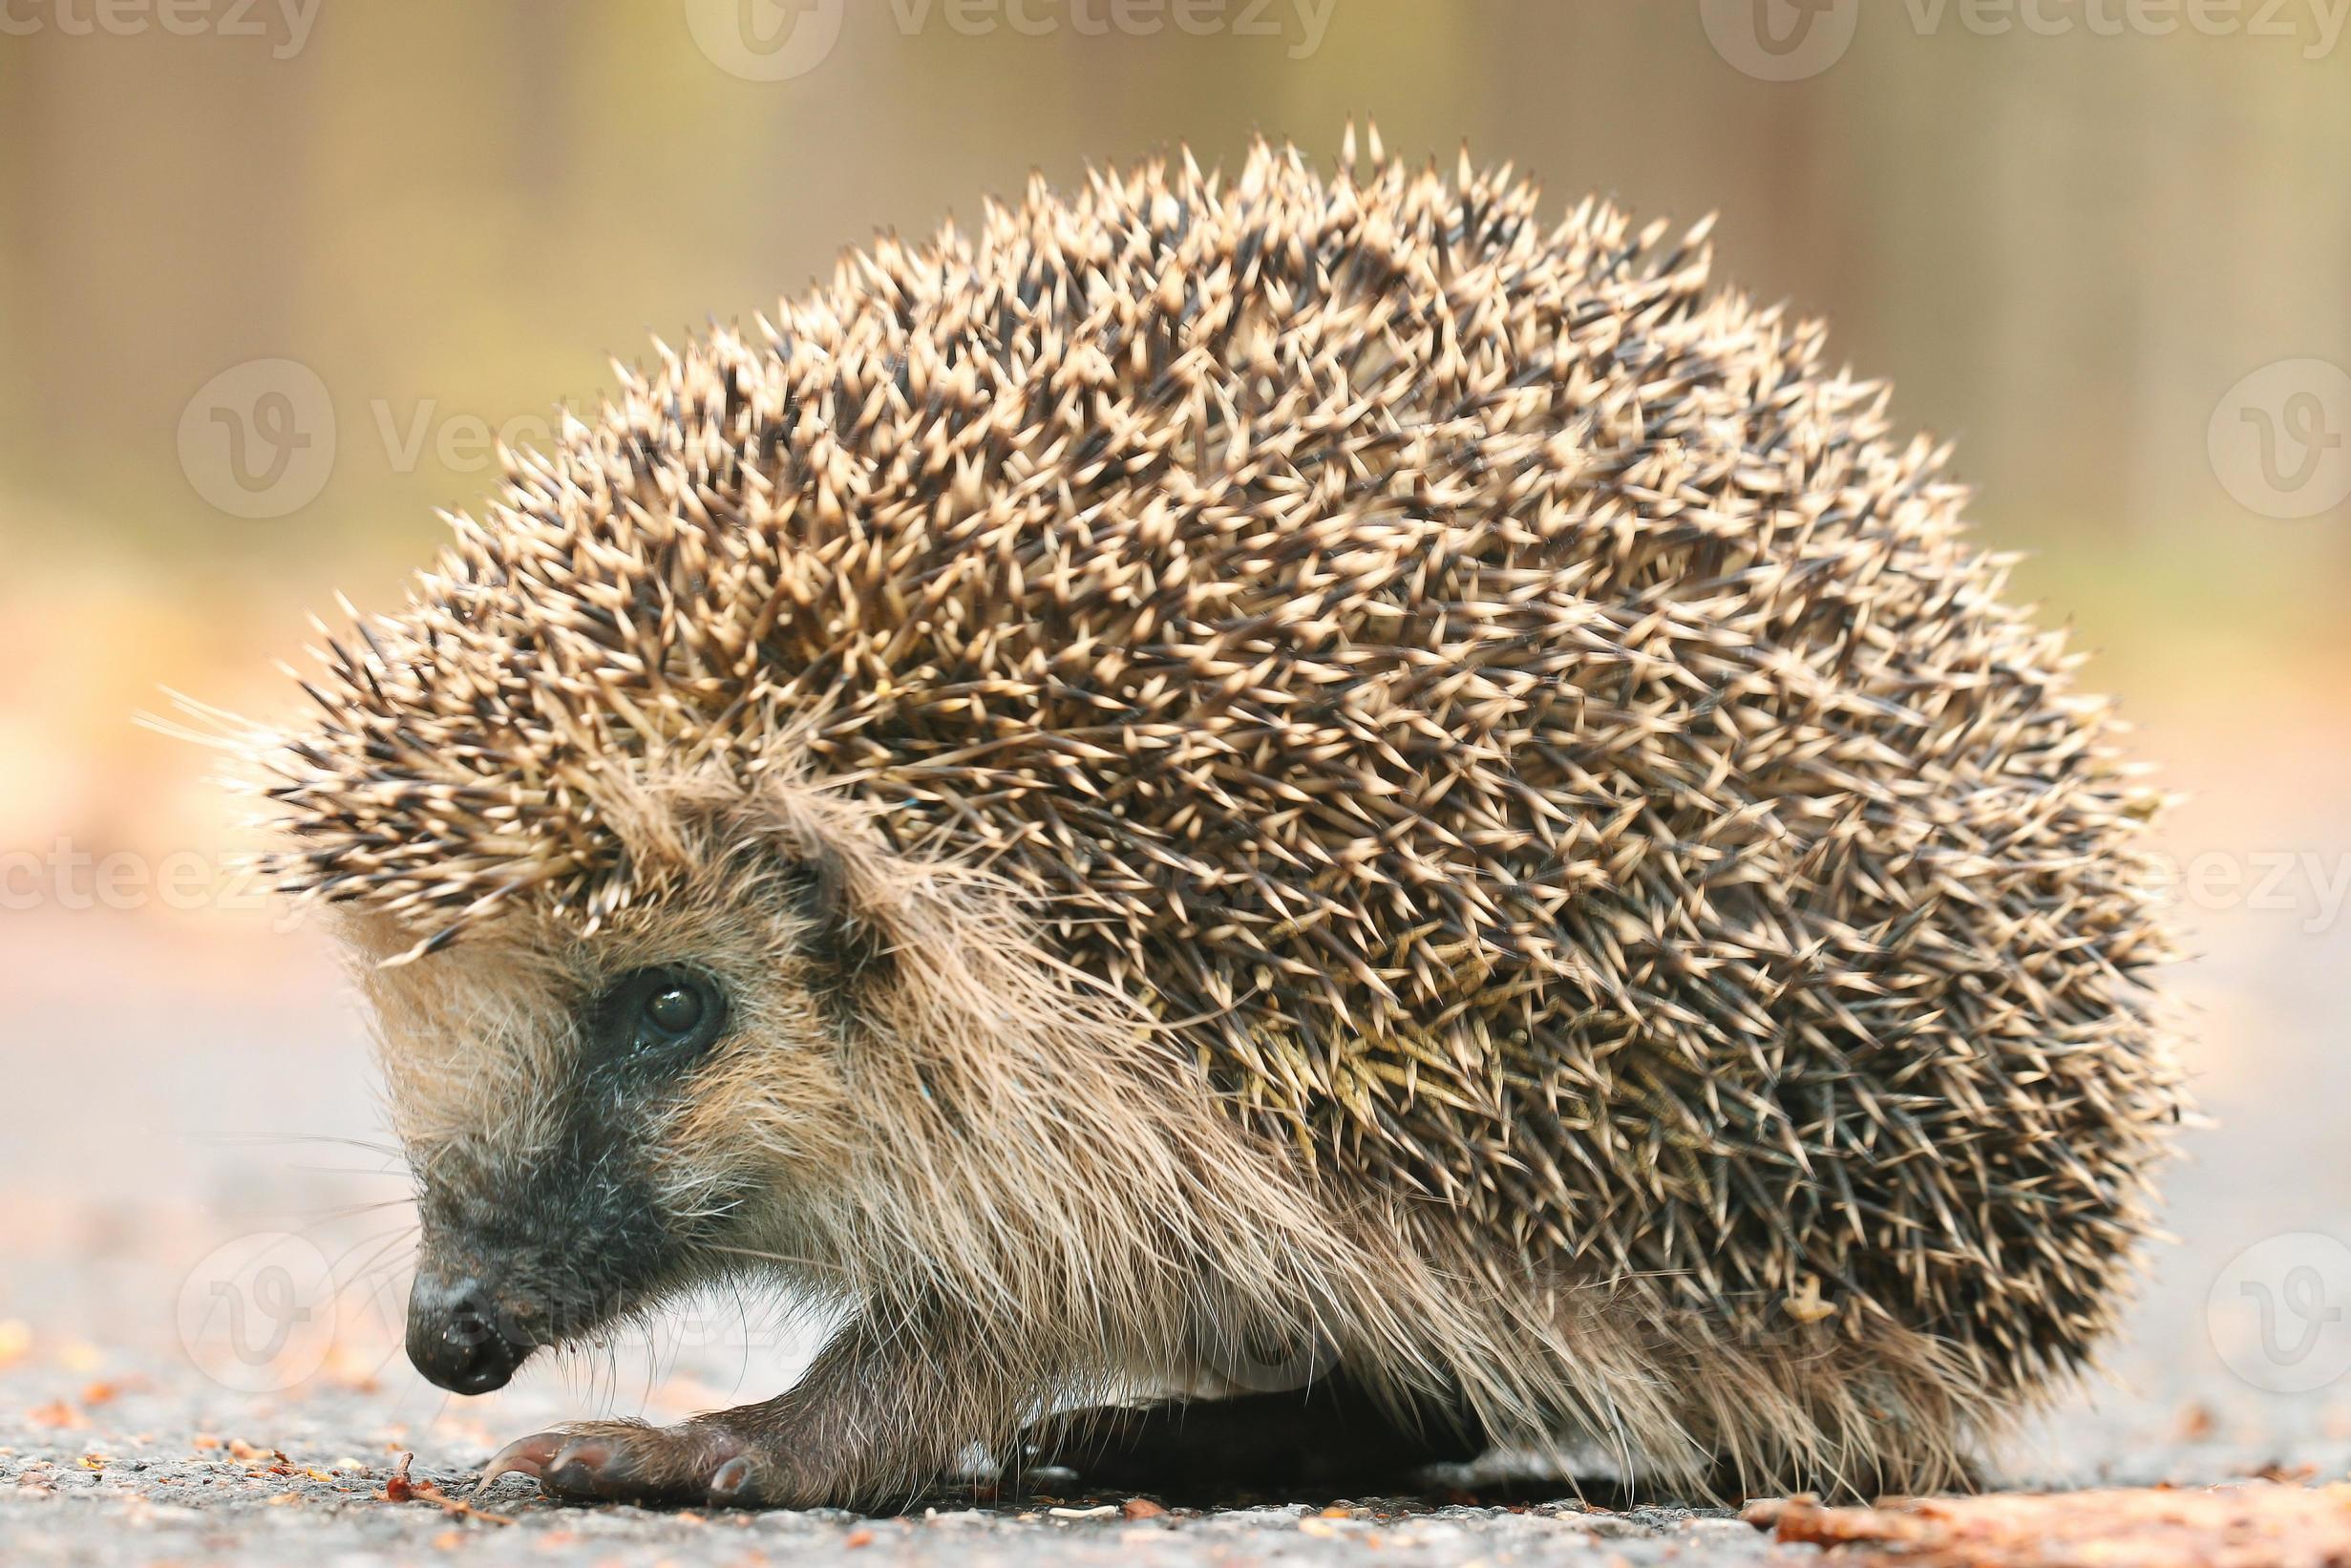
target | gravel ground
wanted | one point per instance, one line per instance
(159, 1468)
(152, 1469)
(167, 1504)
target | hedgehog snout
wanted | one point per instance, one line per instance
(460, 1336)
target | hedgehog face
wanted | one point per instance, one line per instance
(598, 1121)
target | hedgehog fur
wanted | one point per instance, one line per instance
(1287, 777)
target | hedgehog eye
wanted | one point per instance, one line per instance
(658, 1015)
(675, 1008)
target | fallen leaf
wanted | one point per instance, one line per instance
(399, 1488)
(2254, 1524)
(2274, 1472)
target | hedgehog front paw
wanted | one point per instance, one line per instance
(624, 1461)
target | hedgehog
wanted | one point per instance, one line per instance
(1302, 804)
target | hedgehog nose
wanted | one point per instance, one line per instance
(454, 1337)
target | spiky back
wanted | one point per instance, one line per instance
(1562, 756)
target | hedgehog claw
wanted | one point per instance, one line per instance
(524, 1457)
(588, 1467)
(626, 1462)
(734, 1486)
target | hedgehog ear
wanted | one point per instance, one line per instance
(842, 939)
(804, 864)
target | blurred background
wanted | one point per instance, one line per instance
(275, 277)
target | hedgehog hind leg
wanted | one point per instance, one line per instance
(1331, 1438)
